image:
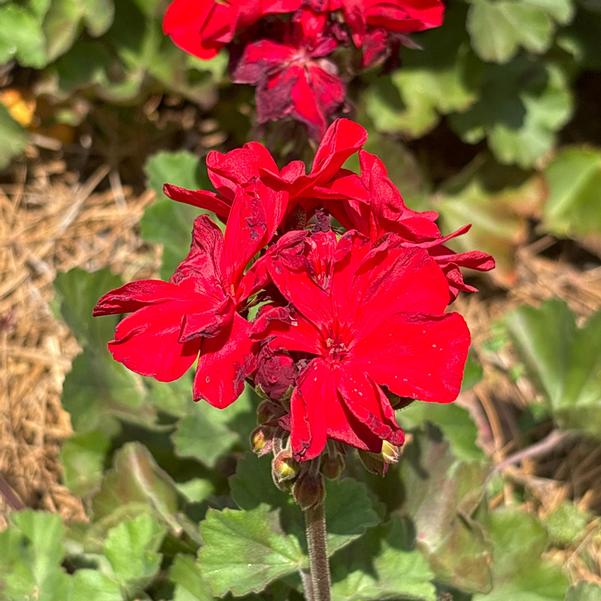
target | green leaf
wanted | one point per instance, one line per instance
(585, 591)
(13, 138)
(172, 398)
(98, 16)
(61, 26)
(437, 80)
(189, 584)
(207, 433)
(521, 107)
(574, 180)
(519, 571)
(77, 291)
(90, 585)
(83, 457)
(136, 478)
(441, 494)
(21, 36)
(349, 508)
(581, 38)
(132, 550)
(165, 221)
(63, 22)
(85, 65)
(349, 512)
(244, 551)
(455, 423)
(565, 524)
(97, 390)
(196, 490)
(563, 360)
(382, 565)
(30, 562)
(499, 28)
(203, 435)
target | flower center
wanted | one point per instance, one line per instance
(336, 349)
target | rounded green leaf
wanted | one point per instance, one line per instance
(244, 551)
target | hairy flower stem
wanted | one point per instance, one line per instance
(315, 523)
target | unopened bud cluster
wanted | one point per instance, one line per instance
(303, 480)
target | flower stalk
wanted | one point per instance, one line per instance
(315, 528)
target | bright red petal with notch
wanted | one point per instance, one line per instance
(419, 357)
(147, 342)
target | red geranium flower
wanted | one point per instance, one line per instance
(377, 208)
(203, 27)
(241, 166)
(292, 76)
(377, 26)
(370, 316)
(199, 310)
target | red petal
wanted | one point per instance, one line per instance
(206, 324)
(419, 357)
(135, 295)
(227, 171)
(200, 268)
(305, 104)
(147, 342)
(260, 59)
(405, 16)
(284, 329)
(343, 139)
(397, 280)
(314, 394)
(199, 198)
(256, 214)
(290, 271)
(198, 27)
(225, 362)
(369, 405)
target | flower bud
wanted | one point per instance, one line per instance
(373, 463)
(283, 467)
(268, 413)
(261, 440)
(309, 490)
(276, 373)
(390, 452)
(332, 465)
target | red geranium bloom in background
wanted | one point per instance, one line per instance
(398, 16)
(292, 76)
(377, 26)
(378, 208)
(370, 316)
(198, 310)
(203, 27)
(239, 167)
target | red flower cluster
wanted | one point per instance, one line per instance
(285, 47)
(345, 320)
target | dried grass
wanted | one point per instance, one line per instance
(50, 222)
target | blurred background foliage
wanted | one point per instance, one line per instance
(494, 120)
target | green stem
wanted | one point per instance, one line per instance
(315, 522)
